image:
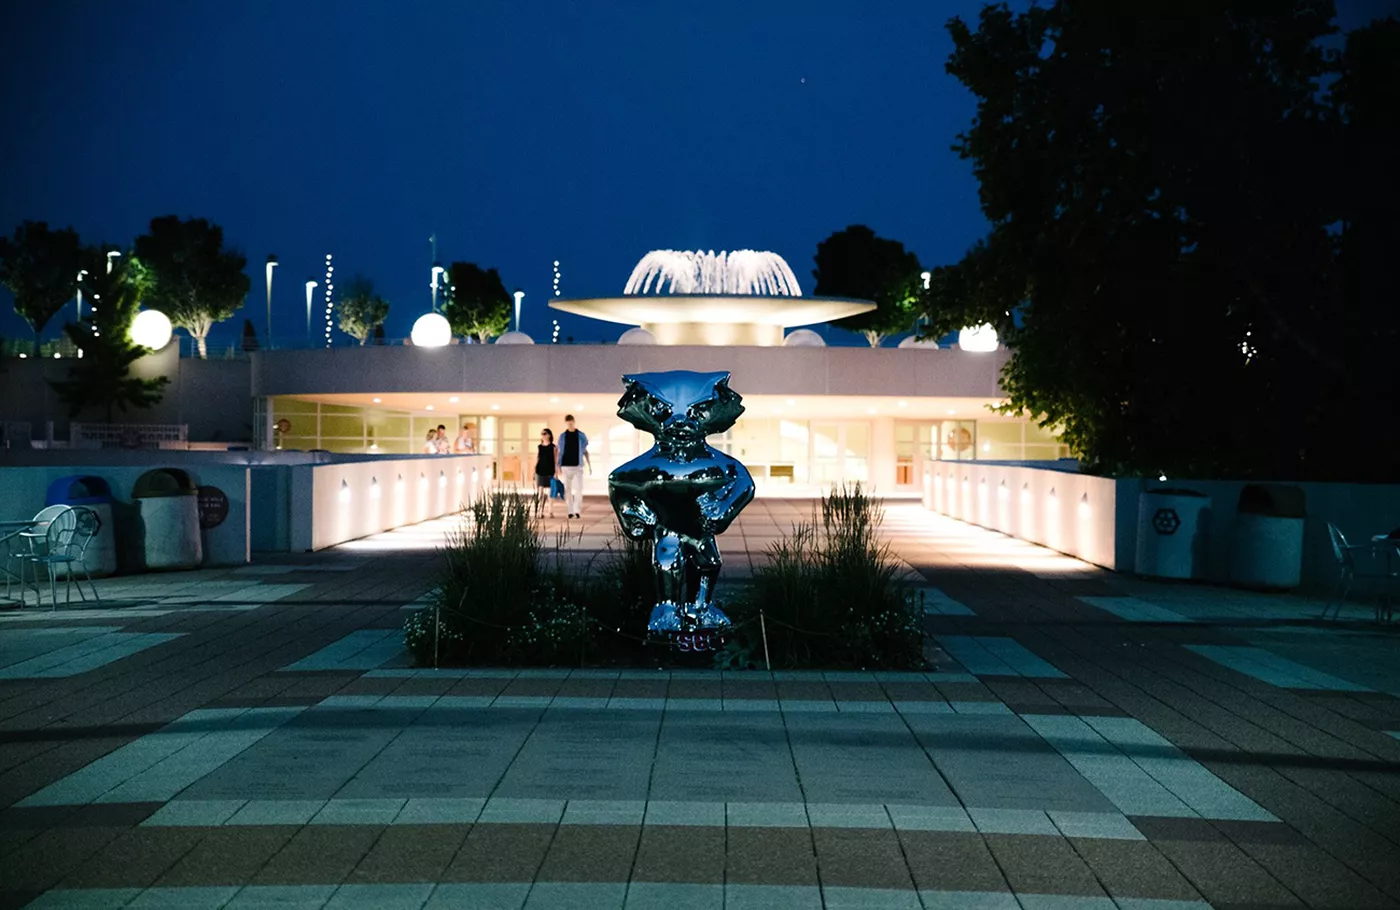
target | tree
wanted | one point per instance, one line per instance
(857, 263)
(362, 311)
(1160, 185)
(40, 267)
(100, 378)
(196, 281)
(477, 302)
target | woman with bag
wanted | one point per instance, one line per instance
(544, 471)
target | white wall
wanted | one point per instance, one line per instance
(1063, 510)
(333, 503)
(1095, 518)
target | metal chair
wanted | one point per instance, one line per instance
(64, 543)
(27, 543)
(1345, 554)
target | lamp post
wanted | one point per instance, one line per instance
(271, 264)
(519, 296)
(310, 286)
(437, 271)
(112, 254)
(81, 273)
(927, 277)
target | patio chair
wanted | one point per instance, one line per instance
(24, 544)
(1345, 554)
(64, 543)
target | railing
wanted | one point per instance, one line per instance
(128, 435)
(16, 434)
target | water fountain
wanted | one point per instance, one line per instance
(744, 297)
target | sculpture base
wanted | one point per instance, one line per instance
(671, 618)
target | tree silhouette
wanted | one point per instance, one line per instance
(857, 263)
(477, 302)
(196, 281)
(40, 267)
(362, 311)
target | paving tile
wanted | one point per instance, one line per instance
(1042, 865)
(1134, 869)
(604, 812)
(281, 897)
(670, 853)
(195, 812)
(483, 896)
(770, 856)
(135, 859)
(840, 815)
(429, 811)
(209, 897)
(227, 856)
(276, 812)
(772, 897)
(1011, 821)
(410, 853)
(674, 896)
(85, 899)
(576, 896)
(861, 858)
(1094, 824)
(670, 812)
(379, 897)
(837, 898)
(766, 815)
(591, 853)
(968, 900)
(318, 855)
(500, 853)
(930, 818)
(358, 812)
(506, 810)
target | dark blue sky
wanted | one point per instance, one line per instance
(586, 132)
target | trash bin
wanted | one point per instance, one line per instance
(95, 494)
(168, 506)
(1171, 533)
(1267, 543)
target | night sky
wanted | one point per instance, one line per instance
(586, 132)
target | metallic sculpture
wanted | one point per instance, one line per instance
(681, 492)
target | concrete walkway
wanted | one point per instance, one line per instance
(256, 738)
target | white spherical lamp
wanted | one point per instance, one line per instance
(514, 338)
(636, 335)
(803, 338)
(431, 331)
(981, 339)
(150, 329)
(924, 344)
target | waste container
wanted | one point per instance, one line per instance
(1267, 542)
(1171, 533)
(95, 494)
(168, 506)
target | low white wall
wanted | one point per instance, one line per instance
(333, 503)
(22, 491)
(1074, 513)
(1095, 518)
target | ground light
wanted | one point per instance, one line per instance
(150, 329)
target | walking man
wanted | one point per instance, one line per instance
(573, 455)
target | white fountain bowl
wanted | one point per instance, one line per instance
(636, 335)
(914, 341)
(803, 338)
(515, 338)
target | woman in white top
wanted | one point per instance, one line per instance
(465, 445)
(431, 446)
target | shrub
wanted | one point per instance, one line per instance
(830, 592)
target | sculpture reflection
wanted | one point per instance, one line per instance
(682, 492)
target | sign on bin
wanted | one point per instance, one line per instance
(1166, 521)
(213, 507)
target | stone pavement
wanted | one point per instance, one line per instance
(255, 738)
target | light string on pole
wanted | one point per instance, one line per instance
(556, 278)
(330, 301)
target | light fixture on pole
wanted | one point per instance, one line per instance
(81, 273)
(438, 270)
(271, 264)
(112, 254)
(519, 295)
(927, 277)
(310, 286)
(330, 303)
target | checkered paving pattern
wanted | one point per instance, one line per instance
(258, 738)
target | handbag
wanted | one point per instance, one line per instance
(556, 489)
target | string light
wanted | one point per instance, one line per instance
(556, 280)
(555, 339)
(330, 303)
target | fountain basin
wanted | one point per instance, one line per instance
(714, 319)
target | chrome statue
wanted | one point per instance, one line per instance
(682, 492)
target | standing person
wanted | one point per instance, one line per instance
(546, 459)
(430, 446)
(443, 446)
(573, 455)
(465, 445)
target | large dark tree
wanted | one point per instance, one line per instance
(1163, 191)
(477, 302)
(100, 379)
(196, 280)
(857, 263)
(40, 267)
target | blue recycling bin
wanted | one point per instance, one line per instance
(94, 493)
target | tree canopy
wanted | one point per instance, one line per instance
(857, 263)
(477, 303)
(40, 267)
(1172, 223)
(196, 281)
(361, 309)
(100, 378)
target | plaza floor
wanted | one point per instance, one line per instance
(257, 738)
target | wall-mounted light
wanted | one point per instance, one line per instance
(442, 480)
(1084, 506)
(374, 488)
(1003, 491)
(344, 492)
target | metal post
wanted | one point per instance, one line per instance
(763, 628)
